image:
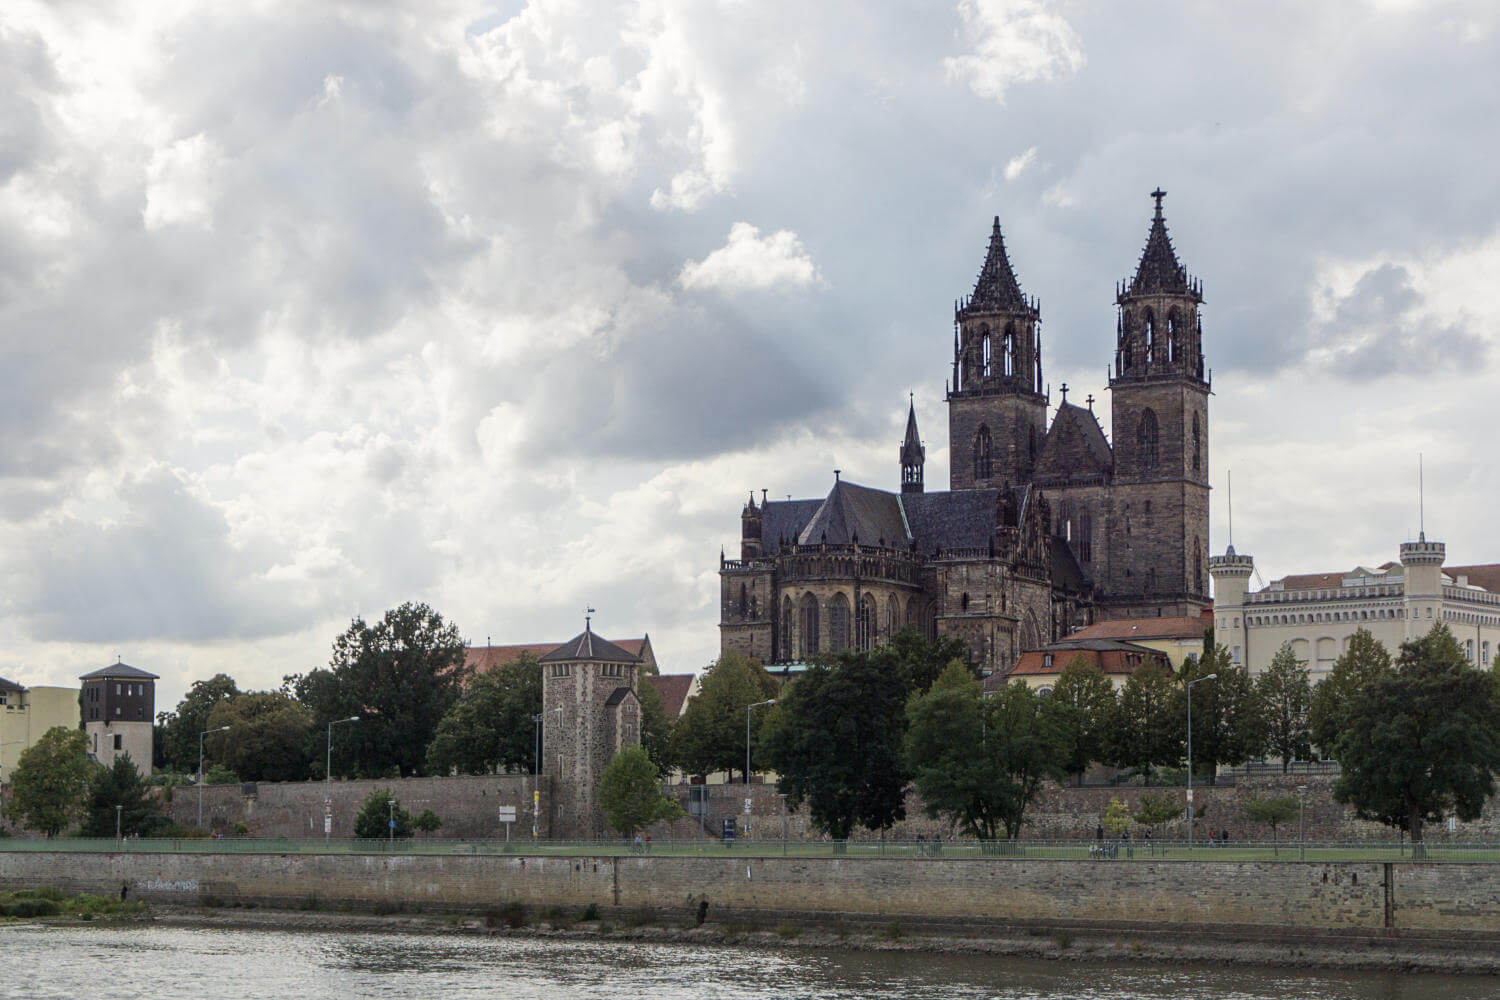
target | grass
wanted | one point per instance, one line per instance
(30, 904)
(787, 930)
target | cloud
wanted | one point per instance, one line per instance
(749, 261)
(1013, 41)
(180, 183)
(1018, 164)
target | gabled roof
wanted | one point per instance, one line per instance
(1146, 629)
(950, 520)
(996, 288)
(912, 452)
(674, 690)
(782, 521)
(121, 670)
(588, 646)
(853, 513)
(482, 658)
(1074, 439)
(618, 695)
(6, 685)
(1159, 272)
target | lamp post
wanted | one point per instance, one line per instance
(1190, 684)
(118, 809)
(1301, 826)
(221, 729)
(328, 778)
(390, 827)
(536, 770)
(748, 709)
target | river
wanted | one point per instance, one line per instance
(104, 963)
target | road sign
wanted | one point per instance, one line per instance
(392, 824)
(507, 814)
(1190, 794)
(747, 807)
(327, 824)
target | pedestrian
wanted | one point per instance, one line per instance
(648, 843)
(1224, 836)
(1099, 832)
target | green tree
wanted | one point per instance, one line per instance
(1228, 721)
(375, 814)
(400, 675)
(1084, 705)
(428, 822)
(1423, 740)
(121, 785)
(923, 661)
(268, 738)
(1116, 818)
(1365, 660)
(630, 792)
(51, 781)
(1145, 733)
(710, 736)
(1285, 692)
(657, 730)
(836, 740)
(490, 726)
(180, 728)
(1273, 812)
(1158, 809)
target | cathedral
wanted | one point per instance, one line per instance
(1042, 529)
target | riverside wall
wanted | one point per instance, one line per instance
(1273, 897)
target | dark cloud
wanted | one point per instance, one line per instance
(1379, 329)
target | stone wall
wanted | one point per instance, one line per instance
(1273, 897)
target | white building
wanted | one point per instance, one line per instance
(1318, 613)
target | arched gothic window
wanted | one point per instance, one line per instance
(1085, 537)
(838, 623)
(984, 351)
(864, 623)
(892, 617)
(1146, 437)
(982, 466)
(810, 638)
(787, 654)
(1172, 332)
(1150, 338)
(1010, 350)
(1197, 442)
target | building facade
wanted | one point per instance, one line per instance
(118, 707)
(28, 712)
(1318, 613)
(1043, 527)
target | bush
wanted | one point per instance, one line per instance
(590, 912)
(241, 830)
(376, 812)
(221, 775)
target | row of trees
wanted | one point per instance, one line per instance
(55, 786)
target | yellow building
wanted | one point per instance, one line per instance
(27, 713)
(1178, 637)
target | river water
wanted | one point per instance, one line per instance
(104, 963)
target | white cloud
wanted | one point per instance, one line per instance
(1017, 165)
(749, 261)
(180, 183)
(1014, 41)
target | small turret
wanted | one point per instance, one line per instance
(913, 455)
(750, 526)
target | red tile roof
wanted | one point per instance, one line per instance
(1110, 656)
(482, 658)
(1487, 576)
(1138, 629)
(674, 690)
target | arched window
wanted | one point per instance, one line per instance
(984, 351)
(1129, 355)
(787, 654)
(810, 637)
(1085, 537)
(1146, 436)
(982, 453)
(1010, 350)
(1172, 331)
(838, 623)
(1150, 338)
(864, 623)
(963, 602)
(892, 617)
(1197, 442)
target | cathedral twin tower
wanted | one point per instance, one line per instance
(1043, 528)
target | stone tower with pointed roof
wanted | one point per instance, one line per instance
(1043, 528)
(997, 412)
(590, 712)
(117, 705)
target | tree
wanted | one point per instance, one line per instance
(1116, 818)
(1228, 723)
(1284, 692)
(1145, 733)
(490, 725)
(981, 761)
(1085, 707)
(835, 739)
(657, 730)
(50, 781)
(710, 736)
(268, 738)
(180, 729)
(428, 822)
(1365, 660)
(1421, 741)
(630, 792)
(376, 813)
(400, 676)
(923, 661)
(1158, 809)
(1272, 811)
(121, 785)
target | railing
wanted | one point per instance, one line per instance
(1081, 850)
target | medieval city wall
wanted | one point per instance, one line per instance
(1272, 897)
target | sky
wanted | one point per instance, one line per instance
(307, 310)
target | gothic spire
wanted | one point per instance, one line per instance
(996, 289)
(1159, 272)
(913, 455)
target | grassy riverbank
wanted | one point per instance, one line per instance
(33, 904)
(1071, 943)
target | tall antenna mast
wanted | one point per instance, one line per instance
(1421, 502)
(1230, 476)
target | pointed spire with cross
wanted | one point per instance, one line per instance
(1090, 401)
(1158, 194)
(1065, 394)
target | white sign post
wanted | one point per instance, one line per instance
(506, 815)
(327, 816)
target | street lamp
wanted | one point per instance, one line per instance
(221, 729)
(748, 709)
(118, 809)
(1190, 684)
(536, 770)
(1301, 826)
(328, 778)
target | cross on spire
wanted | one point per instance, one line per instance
(1158, 194)
(1090, 401)
(1065, 392)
